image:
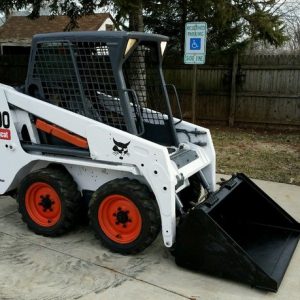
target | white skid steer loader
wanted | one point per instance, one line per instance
(94, 123)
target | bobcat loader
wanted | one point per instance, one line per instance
(94, 123)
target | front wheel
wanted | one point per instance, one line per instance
(125, 216)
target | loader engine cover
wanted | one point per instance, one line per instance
(239, 233)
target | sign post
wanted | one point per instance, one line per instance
(194, 53)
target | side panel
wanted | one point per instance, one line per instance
(12, 156)
(201, 138)
(117, 149)
(152, 161)
(91, 178)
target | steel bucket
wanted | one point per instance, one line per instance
(238, 233)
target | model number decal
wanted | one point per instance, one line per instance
(4, 119)
(4, 125)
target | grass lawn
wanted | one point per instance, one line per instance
(268, 155)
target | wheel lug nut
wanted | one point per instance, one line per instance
(119, 208)
(114, 214)
(117, 223)
(124, 226)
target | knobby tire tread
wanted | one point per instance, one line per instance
(147, 201)
(68, 192)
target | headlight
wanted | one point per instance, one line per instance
(163, 46)
(130, 44)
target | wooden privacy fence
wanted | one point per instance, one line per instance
(248, 89)
(262, 90)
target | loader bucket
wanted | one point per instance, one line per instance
(238, 233)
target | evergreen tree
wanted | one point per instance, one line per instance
(232, 24)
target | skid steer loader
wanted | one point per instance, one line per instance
(94, 123)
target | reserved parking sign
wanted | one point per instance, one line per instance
(195, 42)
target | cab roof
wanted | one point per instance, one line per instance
(105, 36)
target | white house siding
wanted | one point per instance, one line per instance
(108, 21)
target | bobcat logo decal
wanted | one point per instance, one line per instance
(120, 149)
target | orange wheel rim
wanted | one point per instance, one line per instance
(43, 204)
(120, 219)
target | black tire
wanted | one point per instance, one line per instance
(191, 193)
(138, 197)
(63, 194)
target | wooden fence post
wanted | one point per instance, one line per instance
(194, 94)
(232, 106)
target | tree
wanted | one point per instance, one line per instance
(291, 14)
(123, 10)
(6, 6)
(231, 23)
(73, 9)
(131, 11)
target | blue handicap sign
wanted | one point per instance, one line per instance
(195, 43)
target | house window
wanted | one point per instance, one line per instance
(109, 27)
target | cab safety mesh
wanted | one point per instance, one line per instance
(142, 74)
(78, 76)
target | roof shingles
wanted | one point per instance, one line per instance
(23, 28)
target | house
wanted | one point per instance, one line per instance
(17, 32)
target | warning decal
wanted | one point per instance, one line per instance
(5, 134)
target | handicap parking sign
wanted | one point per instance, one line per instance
(195, 43)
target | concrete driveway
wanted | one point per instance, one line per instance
(76, 266)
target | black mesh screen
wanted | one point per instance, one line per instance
(78, 76)
(142, 74)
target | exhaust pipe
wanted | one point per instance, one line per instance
(238, 233)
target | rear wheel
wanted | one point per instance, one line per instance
(48, 201)
(124, 215)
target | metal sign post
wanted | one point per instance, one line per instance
(194, 53)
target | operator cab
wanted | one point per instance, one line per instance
(112, 77)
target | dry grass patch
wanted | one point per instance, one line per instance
(267, 155)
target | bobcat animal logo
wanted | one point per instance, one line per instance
(120, 149)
